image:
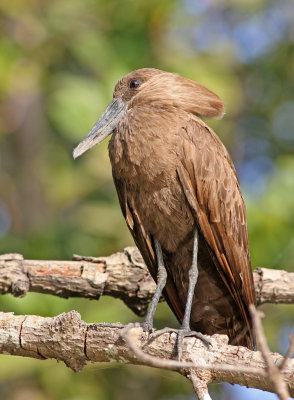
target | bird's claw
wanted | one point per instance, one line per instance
(181, 334)
(147, 326)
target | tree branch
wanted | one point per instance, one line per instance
(69, 339)
(123, 275)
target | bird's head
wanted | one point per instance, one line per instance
(156, 87)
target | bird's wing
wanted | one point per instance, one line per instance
(212, 189)
(144, 242)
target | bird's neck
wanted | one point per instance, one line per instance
(137, 146)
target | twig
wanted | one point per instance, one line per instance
(273, 371)
(131, 338)
(289, 352)
(199, 385)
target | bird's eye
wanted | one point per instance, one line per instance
(134, 84)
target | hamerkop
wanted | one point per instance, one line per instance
(180, 196)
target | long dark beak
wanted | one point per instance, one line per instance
(103, 127)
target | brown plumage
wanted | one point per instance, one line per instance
(172, 174)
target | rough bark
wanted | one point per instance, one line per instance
(274, 286)
(123, 275)
(69, 339)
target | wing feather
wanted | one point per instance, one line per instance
(212, 189)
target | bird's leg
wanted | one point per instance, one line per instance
(185, 328)
(193, 276)
(161, 281)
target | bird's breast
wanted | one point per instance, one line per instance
(147, 165)
(143, 144)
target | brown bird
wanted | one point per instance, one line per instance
(180, 196)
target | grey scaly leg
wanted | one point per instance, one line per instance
(193, 276)
(161, 281)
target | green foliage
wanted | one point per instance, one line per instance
(271, 217)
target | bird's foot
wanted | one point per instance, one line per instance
(147, 326)
(181, 334)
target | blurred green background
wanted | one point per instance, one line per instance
(59, 62)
